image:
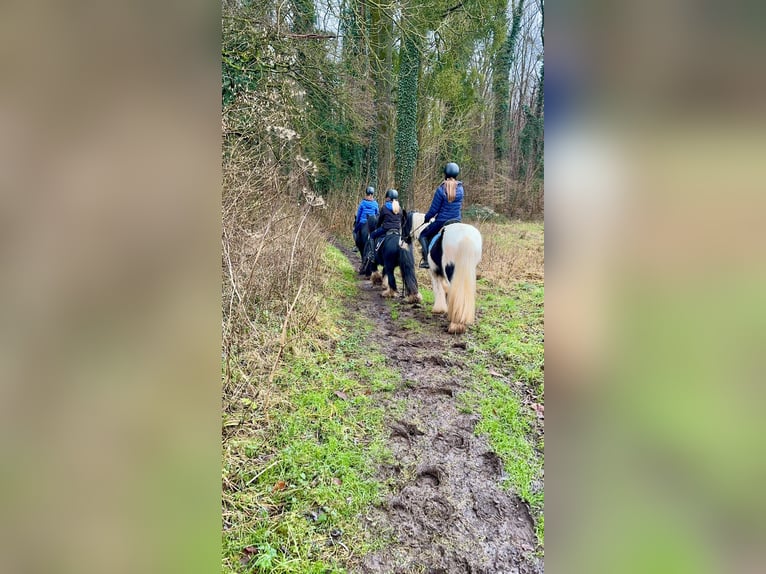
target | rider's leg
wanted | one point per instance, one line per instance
(425, 238)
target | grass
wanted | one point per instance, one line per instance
(510, 328)
(295, 483)
(512, 252)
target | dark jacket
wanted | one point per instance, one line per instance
(388, 220)
(443, 209)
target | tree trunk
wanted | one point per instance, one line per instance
(500, 83)
(407, 118)
(381, 36)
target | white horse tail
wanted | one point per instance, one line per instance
(461, 300)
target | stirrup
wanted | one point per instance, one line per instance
(424, 264)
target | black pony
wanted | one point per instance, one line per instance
(361, 236)
(392, 255)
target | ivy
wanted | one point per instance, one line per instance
(407, 115)
(500, 81)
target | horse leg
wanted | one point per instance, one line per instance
(409, 278)
(389, 281)
(440, 296)
(462, 301)
(376, 277)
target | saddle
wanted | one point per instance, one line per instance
(379, 240)
(441, 232)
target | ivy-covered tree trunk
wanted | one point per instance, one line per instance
(500, 82)
(381, 39)
(531, 140)
(372, 160)
(407, 117)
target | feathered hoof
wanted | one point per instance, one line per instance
(456, 328)
(376, 278)
(436, 311)
(414, 298)
(388, 294)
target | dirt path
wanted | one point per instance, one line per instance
(445, 509)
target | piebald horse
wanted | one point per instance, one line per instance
(452, 262)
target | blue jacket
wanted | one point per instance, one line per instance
(366, 207)
(443, 209)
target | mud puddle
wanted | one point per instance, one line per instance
(445, 511)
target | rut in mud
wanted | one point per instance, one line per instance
(445, 511)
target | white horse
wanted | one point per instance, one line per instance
(452, 262)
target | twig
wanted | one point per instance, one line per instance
(311, 36)
(295, 244)
(282, 345)
(257, 476)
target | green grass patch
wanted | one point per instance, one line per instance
(510, 327)
(428, 296)
(295, 482)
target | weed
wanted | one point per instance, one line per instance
(412, 324)
(428, 296)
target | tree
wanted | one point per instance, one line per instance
(407, 116)
(500, 85)
(381, 44)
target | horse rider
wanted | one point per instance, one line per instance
(368, 206)
(390, 219)
(445, 207)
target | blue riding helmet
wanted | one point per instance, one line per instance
(451, 170)
(370, 191)
(392, 194)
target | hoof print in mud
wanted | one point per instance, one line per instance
(438, 513)
(488, 508)
(405, 429)
(430, 476)
(446, 442)
(492, 464)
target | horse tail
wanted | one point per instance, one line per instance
(461, 300)
(407, 265)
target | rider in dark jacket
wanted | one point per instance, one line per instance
(446, 205)
(390, 218)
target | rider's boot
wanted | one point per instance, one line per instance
(366, 258)
(424, 247)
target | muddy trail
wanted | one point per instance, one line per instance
(445, 510)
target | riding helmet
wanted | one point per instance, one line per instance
(370, 191)
(392, 194)
(451, 170)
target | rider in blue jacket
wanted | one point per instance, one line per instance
(368, 206)
(446, 205)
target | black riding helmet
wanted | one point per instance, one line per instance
(392, 194)
(370, 191)
(451, 170)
